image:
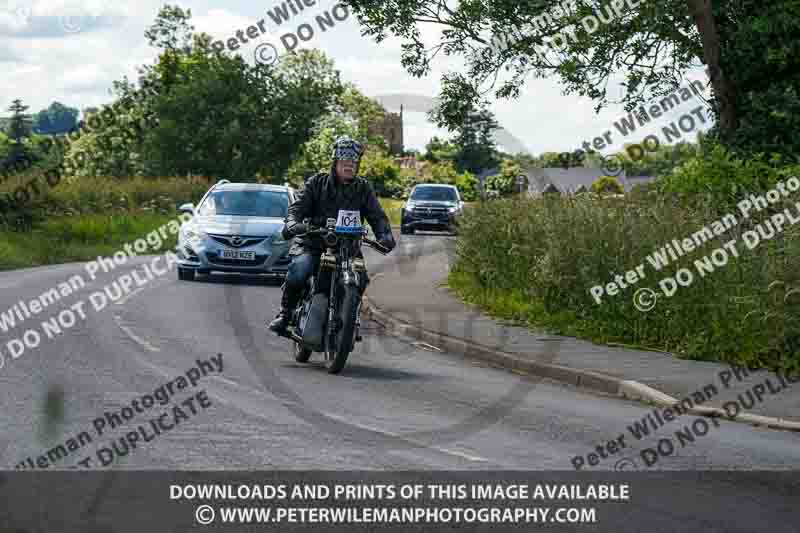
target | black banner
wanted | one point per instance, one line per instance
(157, 502)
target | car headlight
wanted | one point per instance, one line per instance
(408, 208)
(278, 238)
(194, 236)
(453, 210)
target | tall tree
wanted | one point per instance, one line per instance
(440, 150)
(19, 129)
(475, 141)
(57, 118)
(589, 43)
(199, 111)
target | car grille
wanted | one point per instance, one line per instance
(429, 212)
(214, 258)
(245, 241)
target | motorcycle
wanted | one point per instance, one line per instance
(327, 316)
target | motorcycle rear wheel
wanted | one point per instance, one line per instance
(348, 311)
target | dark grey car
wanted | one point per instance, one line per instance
(431, 207)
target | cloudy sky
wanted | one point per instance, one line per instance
(72, 50)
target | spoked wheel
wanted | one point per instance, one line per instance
(342, 331)
(301, 354)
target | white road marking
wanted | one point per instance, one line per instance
(426, 346)
(447, 451)
(461, 454)
(129, 296)
(135, 338)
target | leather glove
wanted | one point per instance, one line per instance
(295, 229)
(387, 241)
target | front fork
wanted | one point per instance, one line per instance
(355, 277)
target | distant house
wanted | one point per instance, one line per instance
(572, 180)
(410, 162)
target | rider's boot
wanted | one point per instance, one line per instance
(281, 322)
(284, 317)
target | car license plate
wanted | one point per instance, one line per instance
(430, 221)
(237, 254)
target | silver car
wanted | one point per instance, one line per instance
(236, 227)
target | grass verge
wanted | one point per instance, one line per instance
(394, 210)
(78, 238)
(535, 261)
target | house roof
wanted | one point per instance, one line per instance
(569, 180)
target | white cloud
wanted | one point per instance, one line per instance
(42, 63)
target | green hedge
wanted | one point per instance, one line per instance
(535, 260)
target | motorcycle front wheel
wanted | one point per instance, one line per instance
(343, 339)
(301, 354)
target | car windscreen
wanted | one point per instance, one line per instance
(435, 194)
(246, 204)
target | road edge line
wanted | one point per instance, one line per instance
(587, 379)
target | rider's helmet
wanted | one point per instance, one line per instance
(346, 148)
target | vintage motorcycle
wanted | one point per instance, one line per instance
(327, 317)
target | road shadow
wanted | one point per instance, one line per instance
(357, 371)
(238, 279)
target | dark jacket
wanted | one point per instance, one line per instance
(322, 198)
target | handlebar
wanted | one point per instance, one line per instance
(375, 245)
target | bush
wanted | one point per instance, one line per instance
(503, 184)
(607, 185)
(551, 252)
(722, 179)
(84, 196)
(382, 172)
(467, 186)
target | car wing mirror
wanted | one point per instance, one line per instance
(187, 208)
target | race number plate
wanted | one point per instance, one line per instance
(348, 222)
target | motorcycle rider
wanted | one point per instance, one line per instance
(322, 198)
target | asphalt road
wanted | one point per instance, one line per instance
(396, 406)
